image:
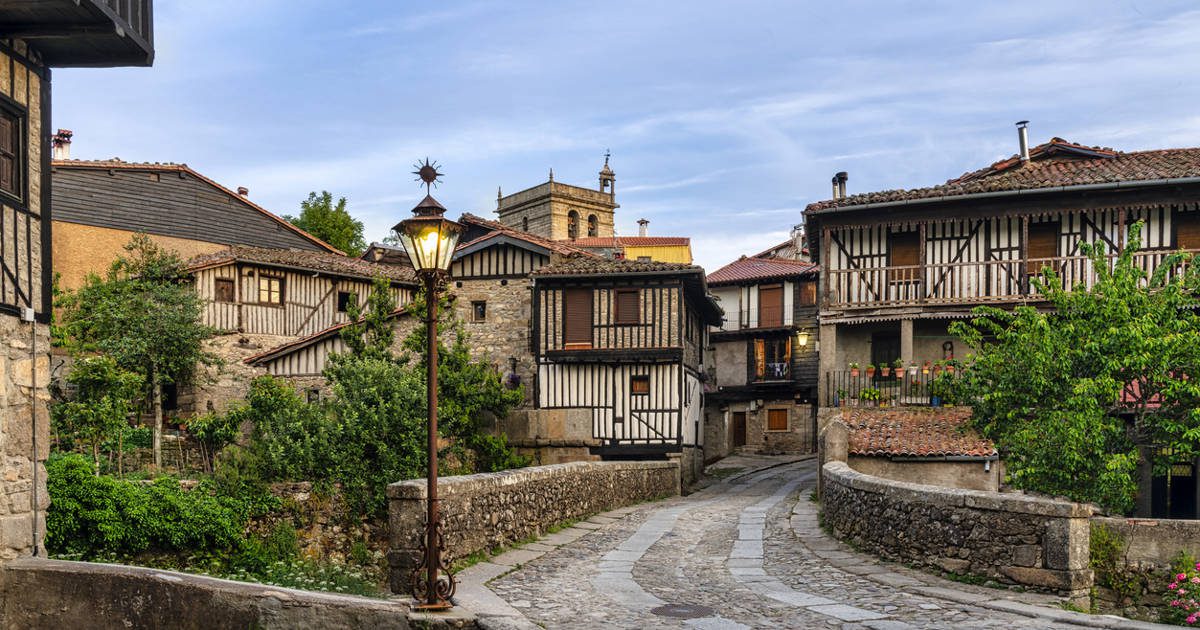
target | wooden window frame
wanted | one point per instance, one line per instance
(282, 290)
(475, 306)
(231, 283)
(568, 343)
(787, 420)
(634, 385)
(782, 303)
(760, 346)
(20, 117)
(808, 293)
(903, 276)
(622, 318)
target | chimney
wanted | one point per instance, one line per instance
(834, 183)
(62, 144)
(1023, 136)
(841, 178)
(643, 227)
(243, 191)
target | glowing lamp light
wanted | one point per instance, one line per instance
(429, 238)
(802, 338)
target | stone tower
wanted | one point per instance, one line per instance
(562, 212)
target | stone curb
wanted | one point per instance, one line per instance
(888, 577)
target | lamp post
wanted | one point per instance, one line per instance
(429, 239)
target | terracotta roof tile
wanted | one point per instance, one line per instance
(586, 265)
(559, 247)
(630, 241)
(1051, 165)
(746, 269)
(914, 432)
(292, 258)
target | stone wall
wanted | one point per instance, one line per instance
(1144, 553)
(24, 376)
(488, 510)
(504, 333)
(39, 593)
(1014, 539)
(967, 475)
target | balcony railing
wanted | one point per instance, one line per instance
(904, 387)
(962, 282)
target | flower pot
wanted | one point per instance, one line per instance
(935, 401)
(885, 371)
(870, 372)
(854, 372)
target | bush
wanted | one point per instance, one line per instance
(291, 438)
(1182, 593)
(214, 431)
(90, 515)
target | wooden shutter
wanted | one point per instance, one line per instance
(770, 306)
(808, 293)
(905, 251)
(1043, 243)
(9, 143)
(223, 290)
(627, 305)
(777, 420)
(577, 317)
(1187, 230)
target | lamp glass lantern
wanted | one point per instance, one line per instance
(802, 338)
(429, 238)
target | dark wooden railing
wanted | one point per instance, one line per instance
(962, 282)
(904, 387)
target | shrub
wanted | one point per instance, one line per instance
(291, 438)
(214, 431)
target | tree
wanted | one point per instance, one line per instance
(104, 396)
(145, 316)
(1069, 392)
(330, 222)
(371, 330)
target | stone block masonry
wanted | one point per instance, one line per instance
(1014, 539)
(488, 510)
(24, 422)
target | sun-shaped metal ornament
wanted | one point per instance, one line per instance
(428, 174)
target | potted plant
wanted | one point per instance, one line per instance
(912, 369)
(870, 371)
(898, 368)
(870, 396)
(853, 369)
(885, 370)
(839, 399)
(925, 368)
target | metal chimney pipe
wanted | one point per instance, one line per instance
(842, 176)
(834, 182)
(1023, 136)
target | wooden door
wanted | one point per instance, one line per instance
(577, 318)
(770, 306)
(739, 428)
(1043, 243)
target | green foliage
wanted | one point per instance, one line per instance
(1047, 386)
(869, 393)
(330, 222)
(103, 397)
(371, 331)
(144, 315)
(1107, 549)
(214, 431)
(291, 439)
(89, 514)
(238, 476)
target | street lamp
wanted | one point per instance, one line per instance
(429, 239)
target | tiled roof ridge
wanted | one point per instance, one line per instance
(337, 264)
(741, 269)
(1092, 166)
(118, 163)
(590, 264)
(914, 432)
(496, 226)
(634, 241)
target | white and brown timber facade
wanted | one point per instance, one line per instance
(762, 365)
(35, 37)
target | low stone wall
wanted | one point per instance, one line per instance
(488, 510)
(40, 593)
(1143, 550)
(1010, 538)
(1151, 543)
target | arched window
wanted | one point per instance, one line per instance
(593, 225)
(572, 225)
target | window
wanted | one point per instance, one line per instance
(1042, 245)
(626, 306)
(312, 395)
(270, 290)
(593, 225)
(345, 299)
(1187, 229)
(223, 290)
(639, 384)
(479, 311)
(808, 293)
(770, 306)
(905, 251)
(644, 259)
(577, 318)
(773, 359)
(12, 166)
(777, 420)
(572, 225)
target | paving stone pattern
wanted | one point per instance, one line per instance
(744, 553)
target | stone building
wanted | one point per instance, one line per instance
(762, 366)
(52, 34)
(562, 212)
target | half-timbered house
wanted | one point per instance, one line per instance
(35, 37)
(625, 340)
(897, 266)
(762, 364)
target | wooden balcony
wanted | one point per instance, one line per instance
(83, 33)
(961, 283)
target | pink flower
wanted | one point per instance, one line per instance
(1196, 580)
(1198, 566)
(1182, 591)
(1181, 576)
(1172, 586)
(1176, 603)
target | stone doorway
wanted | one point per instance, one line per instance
(739, 429)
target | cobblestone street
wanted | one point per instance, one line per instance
(743, 553)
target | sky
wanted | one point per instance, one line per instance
(724, 119)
